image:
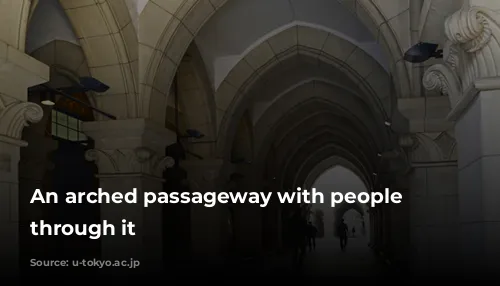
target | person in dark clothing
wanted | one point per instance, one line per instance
(353, 231)
(312, 231)
(298, 226)
(343, 231)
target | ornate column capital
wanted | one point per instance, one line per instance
(140, 160)
(471, 56)
(131, 146)
(14, 116)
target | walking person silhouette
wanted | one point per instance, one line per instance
(342, 232)
(312, 231)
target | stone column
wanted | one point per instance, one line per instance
(378, 228)
(470, 77)
(434, 217)
(399, 226)
(249, 216)
(33, 166)
(249, 229)
(432, 196)
(271, 222)
(371, 214)
(208, 224)
(130, 154)
(18, 71)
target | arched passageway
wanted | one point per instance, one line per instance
(201, 97)
(359, 259)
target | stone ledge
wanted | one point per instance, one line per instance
(484, 84)
(19, 69)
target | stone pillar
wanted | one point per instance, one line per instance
(249, 216)
(371, 213)
(279, 227)
(33, 166)
(379, 228)
(479, 182)
(249, 229)
(434, 218)
(399, 226)
(433, 199)
(271, 225)
(18, 72)
(387, 227)
(208, 224)
(130, 154)
(470, 77)
(433, 191)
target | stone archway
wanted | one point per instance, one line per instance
(163, 46)
(109, 42)
(329, 163)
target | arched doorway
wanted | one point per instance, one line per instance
(341, 179)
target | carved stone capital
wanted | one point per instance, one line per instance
(129, 134)
(131, 146)
(471, 54)
(433, 147)
(14, 116)
(472, 28)
(141, 160)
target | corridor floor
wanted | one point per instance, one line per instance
(358, 263)
(329, 261)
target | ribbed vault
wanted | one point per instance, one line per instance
(168, 39)
(319, 117)
(298, 88)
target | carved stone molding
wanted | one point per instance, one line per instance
(16, 115)
(434, 147)
(140, 160)
(471, 53)
(204, 174)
